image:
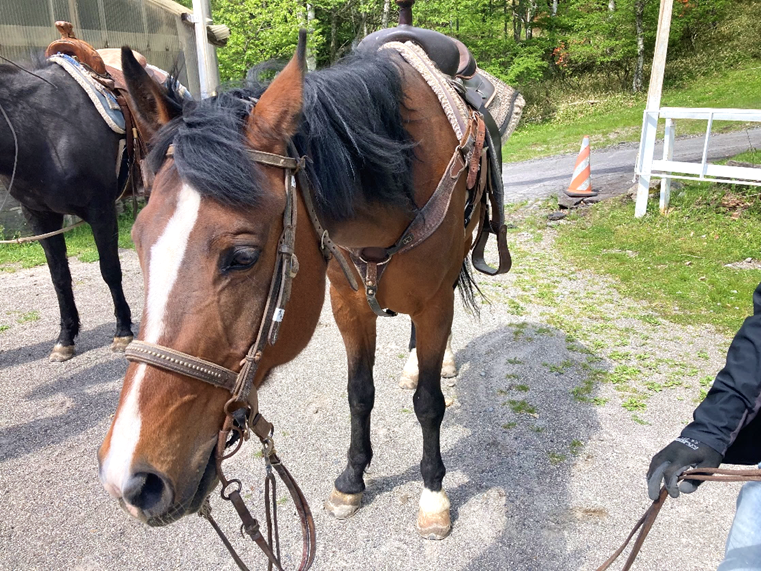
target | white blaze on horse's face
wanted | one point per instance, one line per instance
(166, 258)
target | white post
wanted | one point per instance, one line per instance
(647, 144)
(208, 71)
(668, 154)
(704, 160)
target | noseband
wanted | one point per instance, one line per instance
(244, 402)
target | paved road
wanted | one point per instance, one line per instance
(515, 505)
(612, 168)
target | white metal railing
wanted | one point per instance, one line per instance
(664, 169)
(667, 169)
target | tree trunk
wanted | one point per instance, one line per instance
(638, 70)
(529, 23)
(333, 30)
(555, 7)
(307, 20)
(386, 10)
(516, 21)
(363, 19)
(611, 5)
(504, 17)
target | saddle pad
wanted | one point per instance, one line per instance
(505, 105)
(453, 105)
(103, 100)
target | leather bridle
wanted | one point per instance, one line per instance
(242, 409)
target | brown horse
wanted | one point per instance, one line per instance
(377, 142)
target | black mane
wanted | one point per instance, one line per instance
(351, 131)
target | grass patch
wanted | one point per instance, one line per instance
(576, 446)
(556, 458)
(634, 404)
(28, 317)
(560, 368)
(617, 118)
(623, 373)
(4, 328)
(79, 244)
(521, 407)
(680, 266)
(581, 392)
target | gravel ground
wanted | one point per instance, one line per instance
(557, 487)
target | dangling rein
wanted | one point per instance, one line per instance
(648, 519)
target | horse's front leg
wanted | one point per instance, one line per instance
(356, 322)
(105, 229)
(433, 326)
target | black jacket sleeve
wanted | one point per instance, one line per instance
(734, 401)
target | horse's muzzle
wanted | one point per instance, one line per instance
(206, 484)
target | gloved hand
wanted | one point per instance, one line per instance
(669, 463)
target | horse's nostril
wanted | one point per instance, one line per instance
(148, 492)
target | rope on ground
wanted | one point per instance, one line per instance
(41, 236)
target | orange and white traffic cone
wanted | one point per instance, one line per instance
(581, 182)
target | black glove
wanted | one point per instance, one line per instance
(669, 463)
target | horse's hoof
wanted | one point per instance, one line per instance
(61, 353)
(448, 369)
(433, 517)
(408, 381)
(120, 343)
(343, 506)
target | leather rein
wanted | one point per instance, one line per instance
(242, 409)
(646, 522)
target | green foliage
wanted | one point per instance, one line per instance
(260, 31)
(79, 243)
(556, 123)
(529, 65)
(688, 263)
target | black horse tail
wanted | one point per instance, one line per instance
(469, 290)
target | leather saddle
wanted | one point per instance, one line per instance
(449, 54)
(105, 67)
(80, 50)
(454, 59)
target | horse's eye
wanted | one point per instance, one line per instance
(242, 258)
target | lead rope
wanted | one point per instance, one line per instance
(648, 519)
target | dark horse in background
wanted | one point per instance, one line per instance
(65, 160)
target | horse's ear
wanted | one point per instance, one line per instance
(149, 102)
(276, 116)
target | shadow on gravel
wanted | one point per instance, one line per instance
(86, 341)
(522, 430)
(526, 399)
(78, 410)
